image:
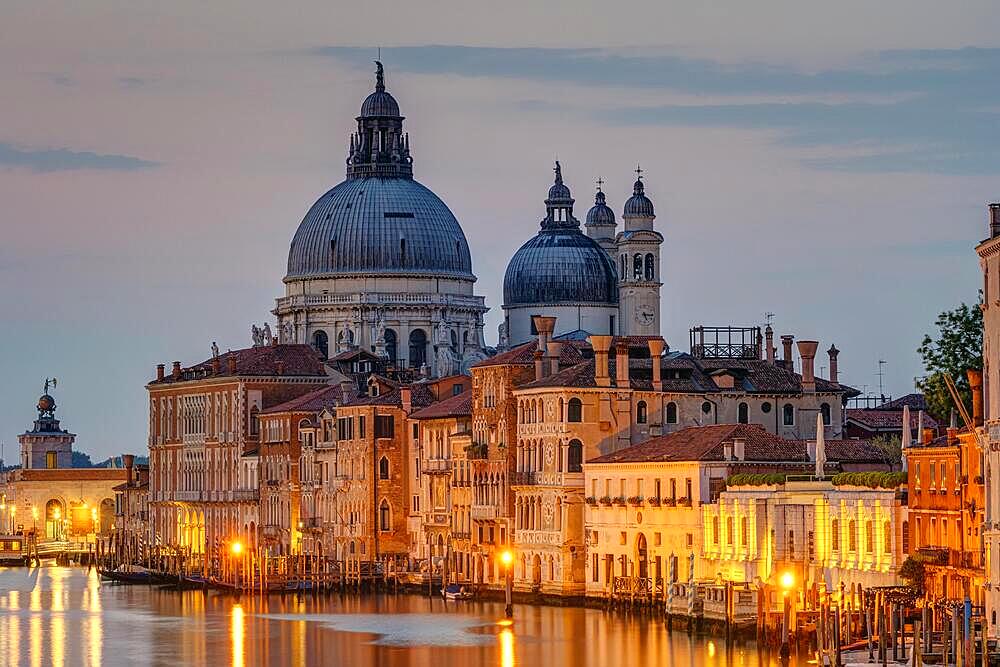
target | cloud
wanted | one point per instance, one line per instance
(942, 113)
(63, 159)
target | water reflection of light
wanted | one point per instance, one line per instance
(507, 647)
(96, 627)
(711, 649)
(236, 630)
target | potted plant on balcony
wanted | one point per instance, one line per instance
(684, 502)
(635, 500)
(654, 502)
(620, 500)
(591, 500)
(606, 500)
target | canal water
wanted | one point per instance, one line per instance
(67, 616)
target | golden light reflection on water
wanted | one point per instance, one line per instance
(237, 631)
(507, 648)
(96, 635)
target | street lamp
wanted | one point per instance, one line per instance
(507, 558)
(236, 549)
(13, 511)
(56, 516)
(787, 581)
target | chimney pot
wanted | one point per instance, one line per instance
(656, 346)
(834, 371)
(405, 398)
(786, 344)
(544, 326)
(621, 364)
(976, 387)
(216, 366)
(994, 220)
(175, 372)
(159, 371)
(602, 347)
(739, 449)
(554, 350)
(807, 350)
(769, 344)
(539, 364)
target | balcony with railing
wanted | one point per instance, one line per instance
(484, 512)
(189, 496)
(246, 495)
(435, 466)
(437, 519)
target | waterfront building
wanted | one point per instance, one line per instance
(131, 528)
(380, 263)
(947, 493)
(989, 263)
(377, 471)
(47, 495)
(204, 439)
(442, 436)
(293, 470)
(624, 391)
(570, 275)
(647, 505)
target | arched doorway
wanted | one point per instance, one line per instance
(536, 570)
(418, 348)
(391, 346)
(55, 513)
(642, 556)
(322, 343)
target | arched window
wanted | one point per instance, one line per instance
(650, 269)
(574, 461)
(254, 420)
(562, 410)
(322, 343)
(454, 341)
(671, 413)
(743, 413)
(574, 410)
(887, 535)
(788, 414)
(418, 348)
(624, 262)
(391, 346)
(640, 412)
(383, 468)
(852, 536)
(637, 267)
(824, 409)
(384, 516)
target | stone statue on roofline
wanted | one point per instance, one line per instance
(267, 335)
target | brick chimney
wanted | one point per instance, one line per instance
(786, 344)
(834, 372)
(807, 350)
(128, 461)
(621, 364)
(231, 363)
(539, 364)
(159, 371)
(994, 220)
(175, 372)
(656, 346)
(406, 398)
(554, 350)
(544, 326)
(769, 344)
(976, 386)
(601, 345)
(739, 449)
(216, 366)
(279, 367)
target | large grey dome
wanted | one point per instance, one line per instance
(379, 225)
(560, 264)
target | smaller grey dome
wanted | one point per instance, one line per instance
(379, 103)
(600, 213)
(559, 191)
(638, 205)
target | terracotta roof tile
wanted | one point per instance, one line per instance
(317, 401)
(296, 360)
(889, 420)
(454, 406)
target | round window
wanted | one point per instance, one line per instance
(706, 407)
(765, 408)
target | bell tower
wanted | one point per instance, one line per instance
(638, 250)
(47, 445)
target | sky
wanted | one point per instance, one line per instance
(829, 163)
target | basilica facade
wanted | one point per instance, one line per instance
(602, 281)
(380, 263)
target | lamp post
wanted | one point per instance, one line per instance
(236, 549)
(787, 582)
(13, 526)
(507, 557)
(56, 517)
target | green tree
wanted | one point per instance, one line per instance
(891, 447)
(957, 347)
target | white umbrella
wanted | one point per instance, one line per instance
(907, 438)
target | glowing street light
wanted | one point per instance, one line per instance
(787, 582)
(507, 558)
(236, 548)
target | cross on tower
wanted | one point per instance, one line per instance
(638, 171)
(600, 182)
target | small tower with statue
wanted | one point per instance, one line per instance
(46, 445)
